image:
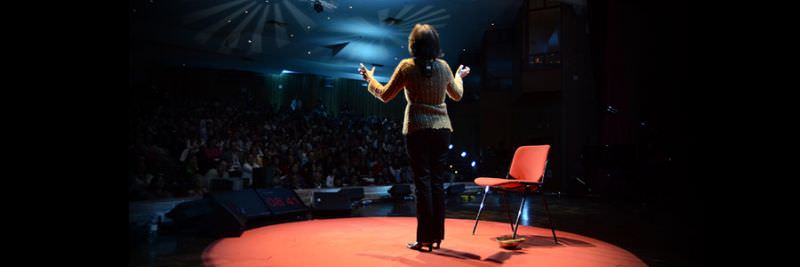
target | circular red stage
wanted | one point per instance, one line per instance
(380, 241)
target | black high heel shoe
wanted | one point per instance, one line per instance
(436, 243)
(420, 245)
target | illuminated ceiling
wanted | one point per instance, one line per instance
(269, 36)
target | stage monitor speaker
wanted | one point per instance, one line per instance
(226, 220)
(246, 202)
(281, 200)
(331, 201)
(354, 194)
(400, 191)
(189, 211)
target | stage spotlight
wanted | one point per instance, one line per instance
(392, 21)
(450, 146)
(318, 6)
(464, 154)
(472, 164)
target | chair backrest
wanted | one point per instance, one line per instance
(529, 163)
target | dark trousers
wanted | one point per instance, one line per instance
(427, 152)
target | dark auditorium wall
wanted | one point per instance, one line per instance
(184, 82)
(335, 94)
(626, 54)
(268, 89)
(640, 57)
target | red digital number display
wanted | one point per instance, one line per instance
(275, 202)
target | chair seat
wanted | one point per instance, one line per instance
(507, 184)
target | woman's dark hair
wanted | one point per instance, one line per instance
(423, 44)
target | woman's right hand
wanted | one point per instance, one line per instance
(366, 74)
(462, 71)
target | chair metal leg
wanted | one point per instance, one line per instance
(549, 219)
(508, 210)
(485, 192)
(519, 213)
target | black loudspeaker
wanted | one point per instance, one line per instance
(331, 201)
(246, 202)
(400, 191)
(232, 210)
(220, 185)
(189, 211)
(455, 189)
(218, 219)
(226, 213)
(354, 194)
(226, 220)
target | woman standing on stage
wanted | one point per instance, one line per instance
(426, 125)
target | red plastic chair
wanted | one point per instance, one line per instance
(525, 176)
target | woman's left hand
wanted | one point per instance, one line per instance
(367, 74)
(462, 71)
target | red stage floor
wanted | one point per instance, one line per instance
(380, 241)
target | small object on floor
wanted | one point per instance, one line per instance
(507, 242)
